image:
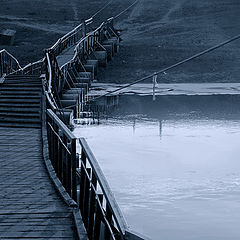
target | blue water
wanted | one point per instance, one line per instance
(173, 179)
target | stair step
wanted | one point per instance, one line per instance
(20, 114)
(20, 125)
(16, 100)
(22, 81)
(20, 93)
(2, 96)
(18, 76)
(20, 88)
(26, 85)
(22, 109)
(19, 119)
(68, 103)
(67, 96)
(19, 104)
(75, 90)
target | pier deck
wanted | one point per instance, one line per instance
(30, 206)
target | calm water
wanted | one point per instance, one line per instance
(174, 179)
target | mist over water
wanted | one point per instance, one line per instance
(173, 178)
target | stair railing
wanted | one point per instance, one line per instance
(8, 63)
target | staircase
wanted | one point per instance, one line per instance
(20, 101)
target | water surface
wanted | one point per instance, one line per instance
(173, 179)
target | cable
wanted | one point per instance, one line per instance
(171, 67)
(126, 9)
(94, 15)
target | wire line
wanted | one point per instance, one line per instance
(172, 66)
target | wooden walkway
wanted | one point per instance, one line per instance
(30, 207)
(66, 55)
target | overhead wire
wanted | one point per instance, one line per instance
(171, 66)
(100, 10)
(122, 12)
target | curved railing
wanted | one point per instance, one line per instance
(85, 182)
(69, 39)
(8, 63)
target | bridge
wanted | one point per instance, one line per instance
(49, 190)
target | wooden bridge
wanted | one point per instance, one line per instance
(48, 189)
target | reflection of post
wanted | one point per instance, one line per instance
(134, 125)
(160, 129)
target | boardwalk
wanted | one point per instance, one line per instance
(30, 206)
(48, 189)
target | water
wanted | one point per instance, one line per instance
(173, 179)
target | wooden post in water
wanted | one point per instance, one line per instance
(154, 86)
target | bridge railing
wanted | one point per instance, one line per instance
(100, 212)
(89, 43)
(8, 63)
(69, 39)
(85, 182)
(62, 152)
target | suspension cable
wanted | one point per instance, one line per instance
(100, 10)
(171, 67)
(118, 15)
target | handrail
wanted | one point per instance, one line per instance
(81, 42)
(120, 221)
(60, 124)
(70, 38)
(95, 199)
(8, 63)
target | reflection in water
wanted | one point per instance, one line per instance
(186, 186)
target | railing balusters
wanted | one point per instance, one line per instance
(92, 206)
(69, 173)
(97, 224)
(86, 198)
(74, 167)
(64, 172)
(60, 157)
(83, 179)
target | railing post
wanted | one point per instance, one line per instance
(97, 225)
(69, 172)
(60, 159)
(92, 206)
(82, 182)
(64, 166)
(109, 219)
(74, 170)
(86, 199)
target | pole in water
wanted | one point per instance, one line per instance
(154, 86)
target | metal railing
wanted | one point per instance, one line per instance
(85, 182)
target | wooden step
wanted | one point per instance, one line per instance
(26, 85)
(24, 100)
(19, 119)
(20, 88)
(19, 104)
(20, 93)
(22, 109)
(20, 125)
(19, 76)
(14, 96)
(20, 114)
